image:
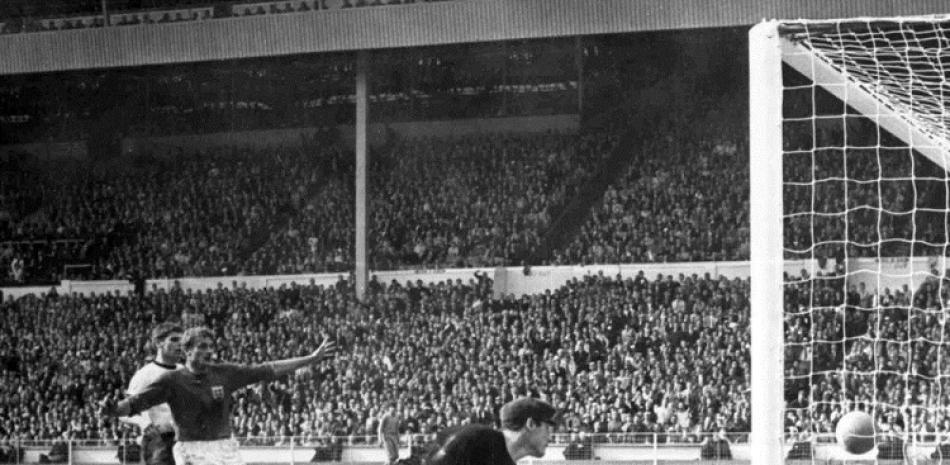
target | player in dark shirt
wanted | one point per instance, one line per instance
(199, 395)
(527, 424)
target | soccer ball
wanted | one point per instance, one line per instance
(855, 432)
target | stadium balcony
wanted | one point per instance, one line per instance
(22, 17)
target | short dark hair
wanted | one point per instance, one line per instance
(160, 332)
(515, 414)
(191, 336)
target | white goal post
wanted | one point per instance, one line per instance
(882, 149)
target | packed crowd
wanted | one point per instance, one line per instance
(465, 201)
(892, 203)
(683, 197)
(459, 202)
(857, 349)
(482, 201)
(20, 195)
(456, 202)
(183, 216)
(618, 356)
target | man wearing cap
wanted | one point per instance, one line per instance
(526, 427)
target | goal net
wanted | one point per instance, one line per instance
(850, 150)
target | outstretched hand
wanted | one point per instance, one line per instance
(108, 407)
(326, 350)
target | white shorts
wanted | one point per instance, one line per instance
(217, 452)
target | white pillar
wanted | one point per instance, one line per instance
(361, 274)
(766, 243)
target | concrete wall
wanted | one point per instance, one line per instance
(887, 273)
(49, 150)
(376, 133)
(510, 280)
(67, 287)
(542, 278)
(895, 272)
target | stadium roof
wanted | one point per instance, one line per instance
(411, 25)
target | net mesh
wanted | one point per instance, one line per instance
(903, 63)
(866, 326)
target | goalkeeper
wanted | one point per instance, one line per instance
(526, 428)
(199, 395)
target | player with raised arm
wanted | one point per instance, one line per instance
(199, 396)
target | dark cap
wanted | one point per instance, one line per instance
(514, 414)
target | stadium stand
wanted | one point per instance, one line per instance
(480, 352)
(182, 216)
(456, 202)
(301, 91)
(683, 197)
(288, 210)
(667, 355)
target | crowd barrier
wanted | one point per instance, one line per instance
(518, 281)
(602, 448)
(515, 281)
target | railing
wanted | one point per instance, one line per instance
(405, 440)
(607, 447)
(653, 447)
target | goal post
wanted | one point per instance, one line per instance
(765, 246)
(849, 135)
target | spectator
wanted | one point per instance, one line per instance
(17, 272)
(389, 434)
(801, 447)
(580, 448)
(11, 453)
(328, 450)
(716, 447)
(59, 452)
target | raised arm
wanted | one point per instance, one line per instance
(326, 350)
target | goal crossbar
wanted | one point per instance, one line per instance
(866, 100)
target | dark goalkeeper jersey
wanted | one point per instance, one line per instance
(200, 403)
(470, 444)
